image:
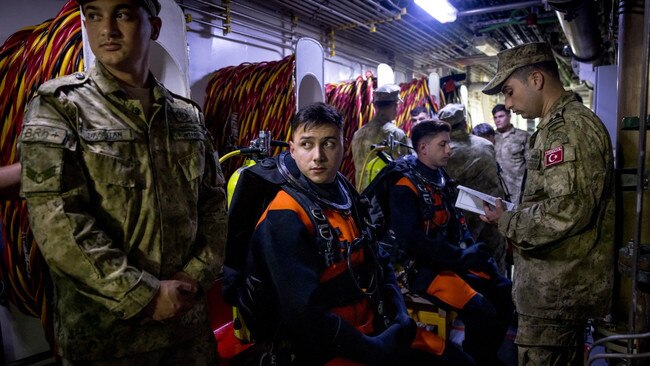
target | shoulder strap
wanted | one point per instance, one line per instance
(326, 236)
(50, 87)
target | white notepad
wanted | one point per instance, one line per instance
(472, 200)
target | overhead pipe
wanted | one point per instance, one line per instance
(351, 55)
(444, 50)
(445, 53)
(580, 25)
(338, 14)
(437, 36)
(331, 11)
(233, 12)
(355, 7)
(263, 31)
(498, 8)
(331, 15)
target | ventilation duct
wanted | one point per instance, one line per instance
(578, 19)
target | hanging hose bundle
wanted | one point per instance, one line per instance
(353, 99)
(414, 94)
(259, 96)
(28, 58)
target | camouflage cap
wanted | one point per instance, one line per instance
(511, 59)
(387, 93)
(452, 114)
(152, 6)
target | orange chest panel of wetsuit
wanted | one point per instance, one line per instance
(359, 314)
(440, 213)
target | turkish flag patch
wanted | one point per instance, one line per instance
(554, 156)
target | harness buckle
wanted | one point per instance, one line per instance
(426, 196)
(325, 231)
(318, 214)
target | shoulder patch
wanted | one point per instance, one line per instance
(554, 137)
(554, 156)
(52, 86)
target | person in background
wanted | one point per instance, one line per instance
(313, 303)
(562, 231)
(446, 266)
(9, 175)
(126, 201)
(419, 114)
(472, 164)
(511, 146)
(379, 130)
(485, 131)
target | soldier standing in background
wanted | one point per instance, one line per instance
(511, 145)
(419, 114)
(386, 99)
(484, 130)
(126, 201)
(472, 164)
(562, 231)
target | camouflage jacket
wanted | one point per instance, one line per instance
(563, 229)
(511, 148)
(375, 132)
(472, 164)
(116, 204)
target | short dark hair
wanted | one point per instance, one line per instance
(316, 114)
(427, 128)
(499, 108)
(483, 129)
(417, 110)
(549, 67)
(384, 103)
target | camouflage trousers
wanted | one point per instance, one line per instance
(201, 351)
(550, 342)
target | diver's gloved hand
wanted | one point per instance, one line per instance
(475, 257)
(396, 308)
(385, 346)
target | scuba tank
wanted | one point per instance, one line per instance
(257, 150)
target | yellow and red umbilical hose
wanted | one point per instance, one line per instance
(414, 94)
(28, 58)
(354, 100)
(262, 97)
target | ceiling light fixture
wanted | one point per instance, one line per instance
(441, 10)
(486, 45)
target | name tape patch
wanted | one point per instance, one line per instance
(40, 133)
(107, 135)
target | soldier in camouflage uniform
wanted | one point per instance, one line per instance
(472, 164)
(563, 228)
(511, 145)
(386, 99)
(126, 201)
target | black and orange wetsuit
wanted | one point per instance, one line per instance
(434, 235)
(323, 301)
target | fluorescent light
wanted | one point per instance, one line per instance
(441, 10)
(486, 45)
